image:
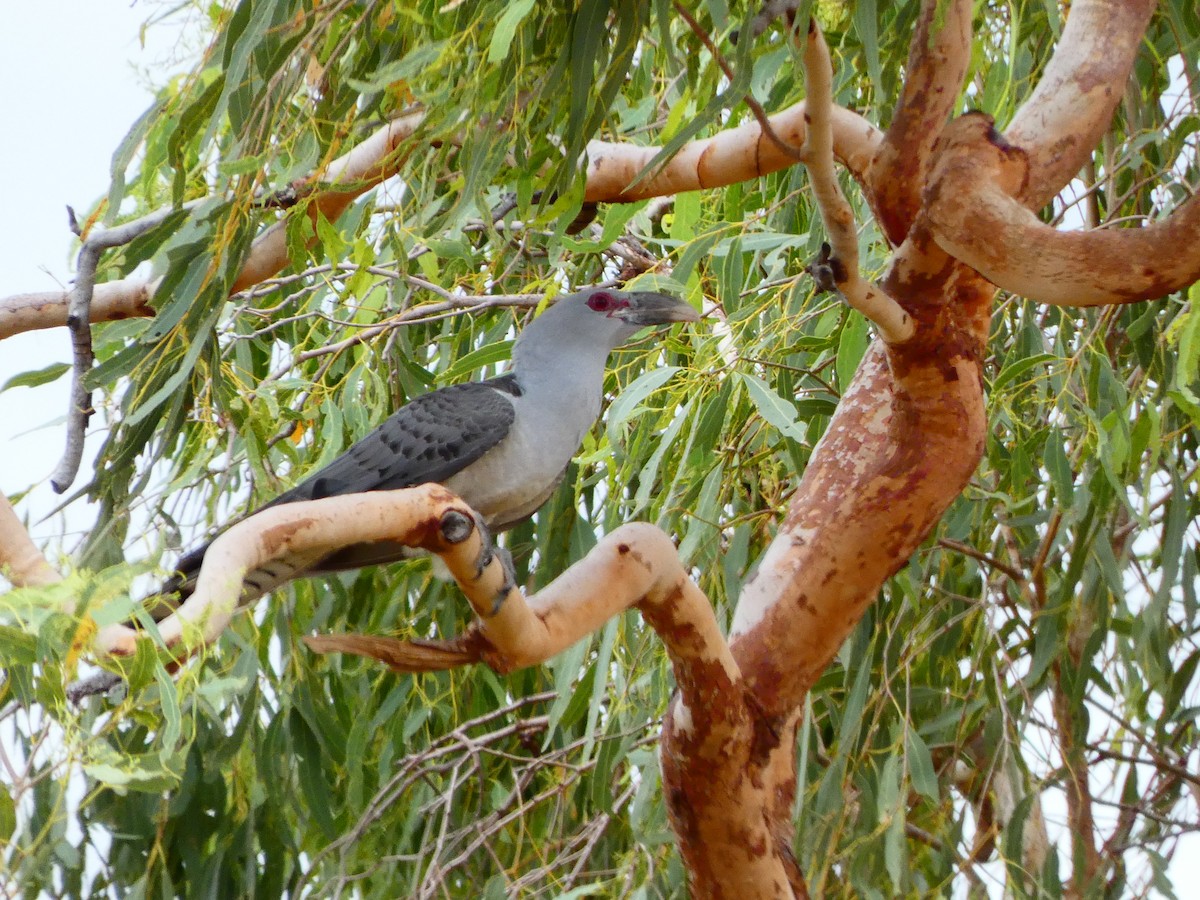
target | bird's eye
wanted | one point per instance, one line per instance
(601, 301)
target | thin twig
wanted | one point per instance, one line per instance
(967, 550)
(759, 113)
(80, 327)
(838, 265)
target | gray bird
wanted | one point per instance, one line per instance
(502, 445)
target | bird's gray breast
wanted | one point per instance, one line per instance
(509, 482)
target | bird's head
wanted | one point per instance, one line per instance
(600, 320)
(638, 308)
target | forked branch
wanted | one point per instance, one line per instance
(976, 215)
(937, 63)
(79, 323)
(329, 193)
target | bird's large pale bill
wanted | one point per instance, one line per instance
(652, 308)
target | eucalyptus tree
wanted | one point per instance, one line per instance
(920, 584)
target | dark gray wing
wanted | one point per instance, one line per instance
(426, 441)
(429, 439)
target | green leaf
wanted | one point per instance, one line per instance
(469, 363)
(8, 817)
(623, 408)
(17, 646)
(506, 28)
(1015, 368)
(920, 765)
(777, 411)
(852, 345)
(52, 372)
(413, 63)
(1059, 467)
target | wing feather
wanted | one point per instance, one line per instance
(429, 439)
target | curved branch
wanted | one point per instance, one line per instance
(734, 155)
(718, 802)
(904, 440)
(344, 179)
(974, 216)
(79, 407)
(894, 324)
(636, 565)
(79, 323)
(760, 115)
(20, 560)
(937, 63)
(418, 517)
(1061, 123)
(718, 808)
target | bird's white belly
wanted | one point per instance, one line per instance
(513, 479)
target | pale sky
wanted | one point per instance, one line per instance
(73, 86)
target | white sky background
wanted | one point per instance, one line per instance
(75, 78)
(73, 85)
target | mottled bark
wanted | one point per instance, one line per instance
(937, 63)
(903, 442)
(906, 437)
(736, 154)
(977, 217)
(1064, 118)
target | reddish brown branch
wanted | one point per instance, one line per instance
(904, 440)
(937, 63)
(976, 216)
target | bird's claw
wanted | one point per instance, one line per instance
(510, 579)
(488, 551)
(487, 548)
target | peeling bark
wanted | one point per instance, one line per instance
(976, 217)
(1064, 118)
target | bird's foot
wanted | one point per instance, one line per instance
(489, 550)
(510, 579)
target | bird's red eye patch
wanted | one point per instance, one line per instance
(601, 301)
